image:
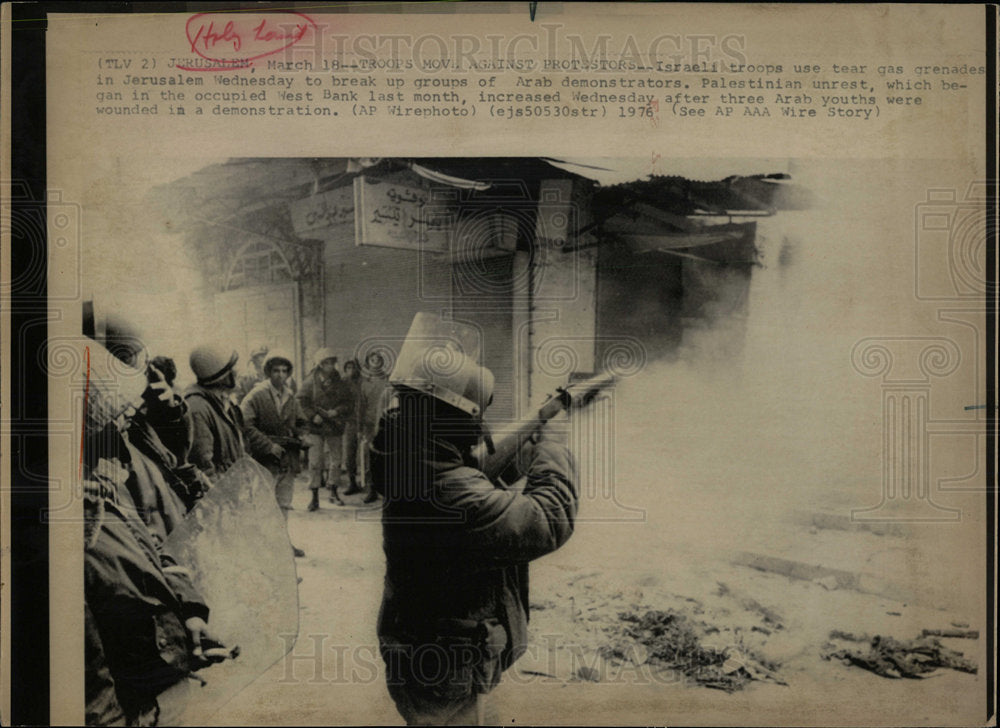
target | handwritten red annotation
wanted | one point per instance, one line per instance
(236, 42)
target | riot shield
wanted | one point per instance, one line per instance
(235, 544)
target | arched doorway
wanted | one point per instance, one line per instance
(260, 303)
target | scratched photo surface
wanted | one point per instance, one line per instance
(772, 336)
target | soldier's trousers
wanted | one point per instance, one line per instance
(324, 457)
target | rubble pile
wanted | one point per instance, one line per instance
(889, 657)
(671, 640)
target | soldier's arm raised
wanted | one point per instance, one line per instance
(504, 527)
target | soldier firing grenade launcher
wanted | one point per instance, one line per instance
(501, 461)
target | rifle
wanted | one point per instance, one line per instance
(296, 451)
(292, 443)
(500, 461)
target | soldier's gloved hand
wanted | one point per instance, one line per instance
(317, 419)
(158, 395)
(195, 481)
(277, 451)
(202, 639)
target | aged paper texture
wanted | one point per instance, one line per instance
(768, 223)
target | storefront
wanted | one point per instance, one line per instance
(562, 277)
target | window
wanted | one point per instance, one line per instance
(258, 263)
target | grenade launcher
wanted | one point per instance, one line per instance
(500, 462)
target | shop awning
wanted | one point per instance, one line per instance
(729, 243)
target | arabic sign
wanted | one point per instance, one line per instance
(327, 209)
(399, 216)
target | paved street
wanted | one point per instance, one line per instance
(334, 673)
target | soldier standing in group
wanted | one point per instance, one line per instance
(457, 546)
(252, 375)
(273, 422)
(324, 402)
(352, 398)
(154, 441)
(217, 424)
(145, 624)
(375, 396)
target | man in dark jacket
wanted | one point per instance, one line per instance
(165, 484)
(145, 624)
(154, 441)
(325, 402)
(217, 440)
(351, 383)
(375, 396)
(455, 608)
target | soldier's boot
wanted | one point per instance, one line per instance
(314, 503)
(334, 498)
(353, 487)
(371, 496)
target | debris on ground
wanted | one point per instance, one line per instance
(889, 657)
(542, 605)
(964, 634)
(589, 674)
(669, 639)
(849, 636)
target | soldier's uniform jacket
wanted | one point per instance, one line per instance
(265, 423)
(153, 486)
(321, 392)
(375, 396)
(156, 445)
(457, 549)
(217, 440)
(136, 641)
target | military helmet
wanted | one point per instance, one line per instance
(275, 358)
(211, 363)
(439, 358)
(119, 335)
(114, 370)
(322, 355)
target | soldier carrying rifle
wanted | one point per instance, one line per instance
(325, 402)
(457, 544)
(274, 421)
